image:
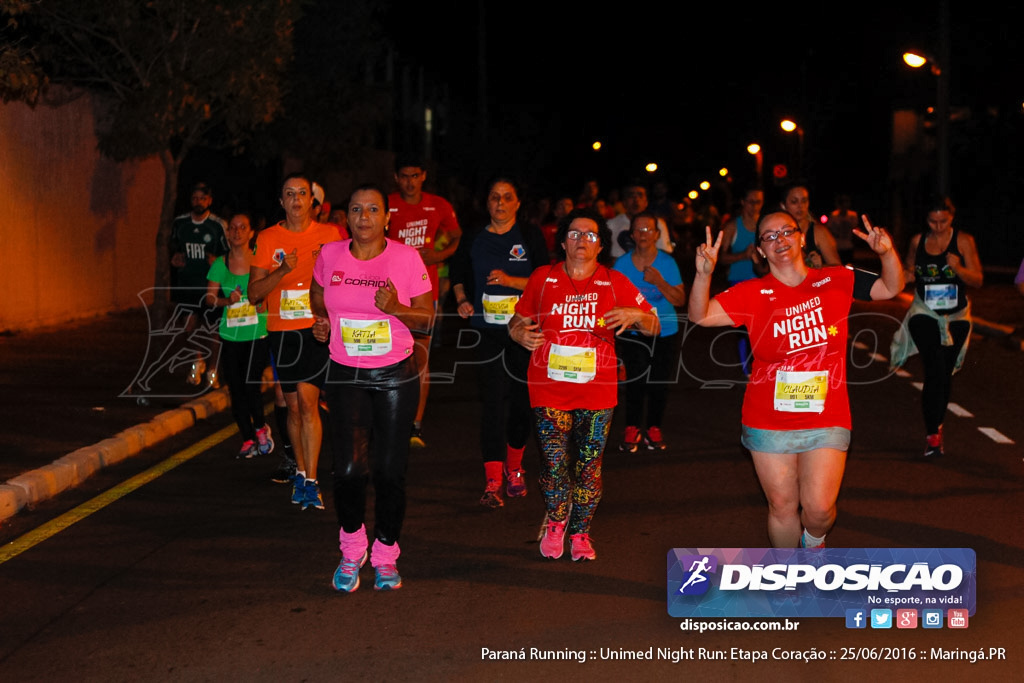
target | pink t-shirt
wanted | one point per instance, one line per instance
(362, 335)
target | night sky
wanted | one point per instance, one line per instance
(690, 85)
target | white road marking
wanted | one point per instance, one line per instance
(995, 435)
(959, 410)
(879, 357)
(917, 385)
(903, 373)
(860, 345)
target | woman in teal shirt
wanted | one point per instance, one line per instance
(243, 331)
(650, 362)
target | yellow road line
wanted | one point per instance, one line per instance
(55, 526)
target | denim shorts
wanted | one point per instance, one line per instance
(794, 441)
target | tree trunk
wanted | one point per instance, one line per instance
(162, 271)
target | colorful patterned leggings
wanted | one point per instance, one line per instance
(588, 431)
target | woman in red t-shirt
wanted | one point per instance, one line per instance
(796, 413)
(568, 317)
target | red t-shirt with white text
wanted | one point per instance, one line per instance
(576, 366)
(798, 334)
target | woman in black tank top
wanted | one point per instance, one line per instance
(819, 245)
(941, 263)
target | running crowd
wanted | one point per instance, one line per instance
(569, 304)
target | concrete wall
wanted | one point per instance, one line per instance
(77, 231)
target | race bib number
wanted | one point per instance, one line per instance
(241, 314)
(498, 310)
(295, 304)
(940, 297)
(801, 392)
(366, 337)
(577, 364)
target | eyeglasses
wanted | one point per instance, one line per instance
(772, 236)
(577, 235)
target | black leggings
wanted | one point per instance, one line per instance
(370, 426)
(504, 394)
(241, 367)
(651, 365)
(939, 362)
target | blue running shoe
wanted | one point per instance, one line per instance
(346, 576)
(387, 578)
(312, 497)
(298, 489)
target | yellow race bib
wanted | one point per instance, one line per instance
(295, 304)
(576, 364)
(366, 337)
(499, 309)
(801, 392)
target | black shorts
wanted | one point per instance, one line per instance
(298, 357)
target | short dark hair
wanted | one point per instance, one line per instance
(408, 161)
(370, 187)
(941, 203)
(760, 223)
(647, 213)
(202, 187)
(602, 231)
(789, 187)
(636, 182)
(297, 175)
(507, 180)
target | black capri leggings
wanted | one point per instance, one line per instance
(370, 426)
(939, 362)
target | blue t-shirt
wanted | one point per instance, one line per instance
(665, 265)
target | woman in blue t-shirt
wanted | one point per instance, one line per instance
(650, 362)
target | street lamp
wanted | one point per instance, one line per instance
(916, 60)
(755, 149)
(790, 126)
(940, 66)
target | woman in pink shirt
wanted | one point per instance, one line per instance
(368, 294)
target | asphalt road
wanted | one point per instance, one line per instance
(208, 573)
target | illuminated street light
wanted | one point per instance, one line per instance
(917, 60)
(693, 194)
(705, 185)
(596, 145)
(914, 60)
(755, 149)
(651, 167)
(723, 171)
(791, 126)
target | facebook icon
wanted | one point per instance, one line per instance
(856, 618)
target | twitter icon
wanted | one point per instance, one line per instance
(881, 618)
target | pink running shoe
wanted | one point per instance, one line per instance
(552, 544)
(582, 548)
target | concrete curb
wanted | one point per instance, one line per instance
(34, 486)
